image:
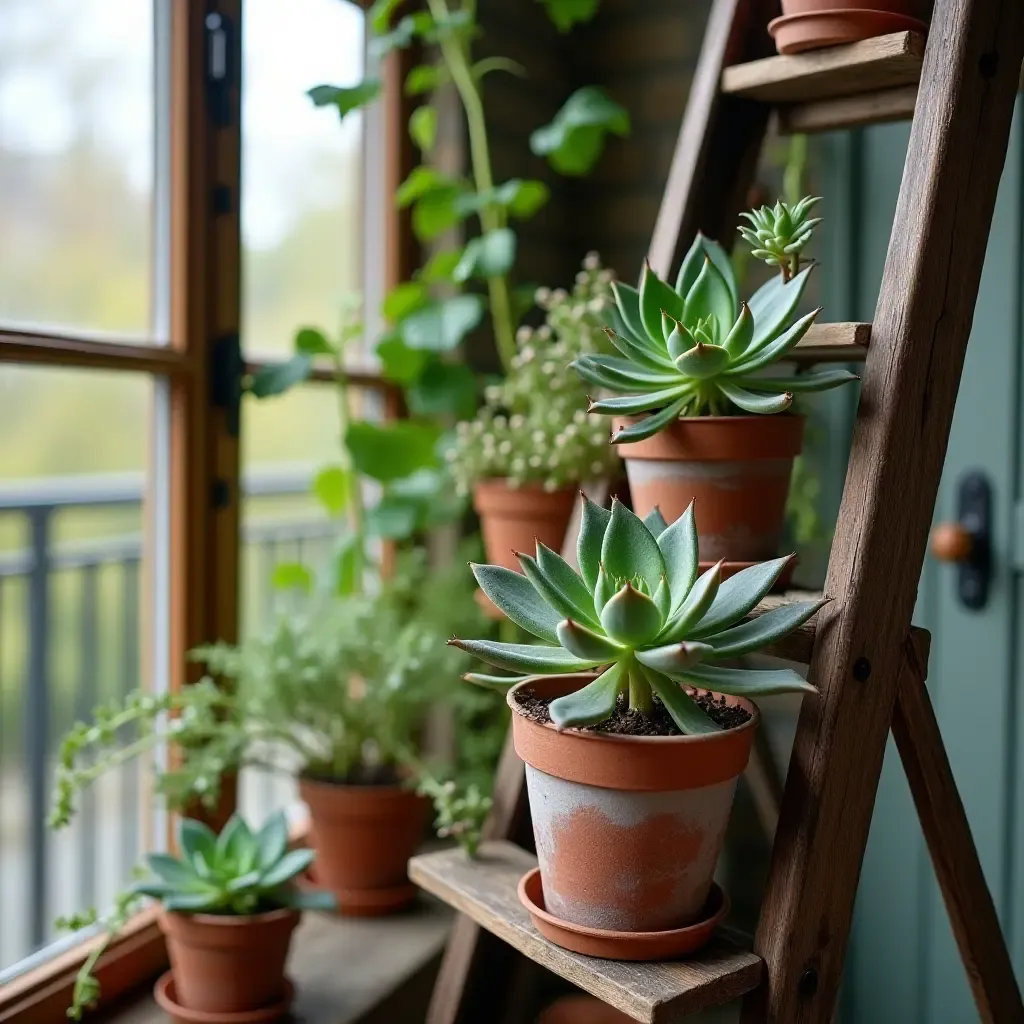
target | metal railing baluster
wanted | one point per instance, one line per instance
(85, 703)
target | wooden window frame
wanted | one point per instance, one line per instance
(204, 465)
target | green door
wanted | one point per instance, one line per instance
(903, 965)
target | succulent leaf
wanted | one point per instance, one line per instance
(674, 659)
(593, 523)
(648, 359)
(694, 261)
(685, 711)
(562, 575)
(604, 591)
(627, 300)
(752, 402)
(628, 405)
(739, 595)
(657, 300)
(772, 306)
(700, 598)
(655, 523)
(554, 595)
(710, 297)
(586, 644)
(288, 867)
(778, 234)
(196, 839)
(630, 617)
(748, 682)
(516, 597)
(821, 380)
(774, 350)
(663, 596)
(678, 546)
(272, 841)
(525, 658)
(651, 425)
(629, 549)
(738, 340)
(765, 629)
(594, 703)
(703, 361)
(499, 684)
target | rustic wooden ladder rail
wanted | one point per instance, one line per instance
(867, 660)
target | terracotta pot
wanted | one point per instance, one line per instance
(225, 964)
(814, 24)
(165, 993)
(628, 828)
(736, 467)
(513, 518)
(364, 837)
(582, 1010)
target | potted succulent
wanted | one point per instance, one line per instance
(530, 446)
(631, 771)
(813, 24)
(229, 905)
(695, 417)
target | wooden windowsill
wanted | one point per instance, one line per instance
(349, 970)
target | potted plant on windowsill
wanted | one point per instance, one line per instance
(531, 446)
(694, 415)
(814, 24)
(229, 905)
(631, 774)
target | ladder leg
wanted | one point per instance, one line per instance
(765, 786)
(919, 337)
(946, 829)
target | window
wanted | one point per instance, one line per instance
(134, 493)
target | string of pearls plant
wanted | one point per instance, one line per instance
(532, 427)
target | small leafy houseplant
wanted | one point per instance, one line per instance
(699, 409)
(234, 892)
(531, 445)
(632, 722)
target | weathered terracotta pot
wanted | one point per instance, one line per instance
(224, 964)
(165, 993)
(628, 828)
(814, 24)
(736, 467)
(513, 518)
(363, 837)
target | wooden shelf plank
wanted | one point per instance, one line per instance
(844, 112)
(797, 646)
(656, 993)
(833, 343)
(880, 63)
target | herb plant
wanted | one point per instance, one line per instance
(695, 348)
(236, 873)
(638, 610)
(532, 428)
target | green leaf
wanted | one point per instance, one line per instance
(566, 13)
(696, 605)
(389, 451)
(307, 899)
(758, 404)
(441, 326)
(693, 263)
(444, 388)
(631, 404)
(345, 99)
(400, 363)
(566, 579)
(649, 358)
(397, 39)
(440, 266)
(272, 840)
(573, 140)
(765, 629)
(190, 902)
(436, 212)
(657, 298)
(710, 297)
(423, 127)
(490, 255)
(587, 644)
(424, 78)
(196, 838)
(242, 882)
(773, 305)
(604, 591)
(173, 871)
(422, 181)
(703, 361)
(678, 545)
(311, 342)
(344, 567)
(822, 380)
(594, 703)
(497, 684)
(775, 349)
(738, 340)
(393, 518)
(332, 487)
(489, 64)
(685, 711)
(292, 576)
(674, 659)
(404, 299)
(561, 601)
(631, 617)
(379, 15)
(291, 864)
(278, 378)
(593, 522)
(629, 550)
(655, 522)
(650, 426)
(520, 198)
(748, 682)
(514, 595)
(627, 302)
(739, 595)
(524, 657)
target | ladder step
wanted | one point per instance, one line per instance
(797, 646)
(844, 112)
(832, 343)
(657, 993)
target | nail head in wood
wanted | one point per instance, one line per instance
(861, 669)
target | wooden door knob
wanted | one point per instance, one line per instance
(951, 542)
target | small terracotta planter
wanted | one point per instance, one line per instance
(736, 467)
(166, 994)
(814, 24)
(363, 837)
(628, 828)
(513, 518)
(229, 965)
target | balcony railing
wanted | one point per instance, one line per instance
(71, 593)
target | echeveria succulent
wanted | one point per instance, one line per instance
(639, 610)
(778, 234)
(696, 348)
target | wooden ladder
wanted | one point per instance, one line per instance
(867, 660)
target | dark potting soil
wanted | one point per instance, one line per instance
(627, 722)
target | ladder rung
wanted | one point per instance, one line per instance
(855, 68)
(797, 646)
(485, 890)
(843, 112)
(832, 343)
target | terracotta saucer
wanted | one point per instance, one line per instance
(731, 568)
(668, 945)
(167, 999)
(815, 30)
(365, 902)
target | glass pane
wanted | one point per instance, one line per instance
(301, 177)
(75, 574)
(76, 164)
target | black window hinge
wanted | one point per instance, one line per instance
(227, 369)
(221, 72)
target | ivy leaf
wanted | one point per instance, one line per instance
(574, 139)
(490, 255)
(380, 15)
(343, 567)
(292, 576)
(424, 78)
(444, 388)
(311, 342)
(440, 266)
(280, 377)
(423, 127)
(346, 99)
(400, 364)
(441, 326)
(392, 518)
(521, 198)
(404, 299)
(566, 13)
(401, 35)
(421, 182)
(332, 486)
(389, 451)
(436, 212)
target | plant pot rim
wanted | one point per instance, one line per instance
(230, 920)
(502, 483)
(617, 761)
(165, 993)
(732, 439)
(336, 784)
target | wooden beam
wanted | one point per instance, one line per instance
(918, 340)
(845, 112)
(833, 343)
(867, 66)
(951, 845)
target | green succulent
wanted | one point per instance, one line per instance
(778, 234)
(638, 610)
(696, 349)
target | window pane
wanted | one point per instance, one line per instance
(76, 164)
(75, 577)
(301, 177)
